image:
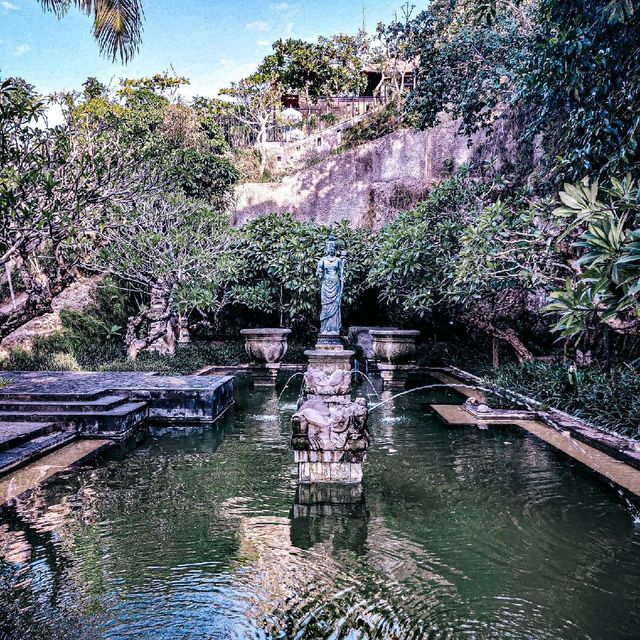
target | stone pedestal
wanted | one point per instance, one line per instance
(395, 351)
(265, 375)
(329, 360)
(329, 341)
(330, 436)
(266, 347)
(394, 376)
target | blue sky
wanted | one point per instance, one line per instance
(212, 42)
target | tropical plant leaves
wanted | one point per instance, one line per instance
(117, 24)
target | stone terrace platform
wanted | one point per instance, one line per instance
(111, 404)
(51, 420)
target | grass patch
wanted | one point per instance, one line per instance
(188, 358)
(56, 354)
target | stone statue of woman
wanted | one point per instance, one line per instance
(331, 272)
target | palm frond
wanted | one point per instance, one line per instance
(60, 7)
(118, 27)
(117, 24)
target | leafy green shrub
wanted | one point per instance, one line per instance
(86, 341)
(473, 355)
(58, 353)
(277, 270)
(415, 253)
(610, 401)
(376, 125)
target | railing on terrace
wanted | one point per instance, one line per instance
(316, 117)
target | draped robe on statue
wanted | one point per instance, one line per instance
(330, 269)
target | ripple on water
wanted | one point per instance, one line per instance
(199, 533)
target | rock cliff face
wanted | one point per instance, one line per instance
(77, 297)
(370, 184)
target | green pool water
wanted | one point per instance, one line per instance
(201, 533)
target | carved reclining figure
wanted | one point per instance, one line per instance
(341, 428)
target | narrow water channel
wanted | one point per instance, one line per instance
(200, 533)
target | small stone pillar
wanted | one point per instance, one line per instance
(395, 351)
(266, 347)
(330, 436)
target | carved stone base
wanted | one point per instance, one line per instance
(343, 472)
(329, 341)
(265, 375)
(394, 376)
(329, 456)
(329, 360)
(329, 433)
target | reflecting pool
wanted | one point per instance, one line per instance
(201, 533)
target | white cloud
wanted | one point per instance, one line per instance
(263, 43)
(21, 49)
(258, 25)
(8, 6)
(55, 116)
(279, 6)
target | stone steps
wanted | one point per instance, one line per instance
(13, 434)
(33, 424)
(57, 396)
(119, 420)
(40, 405)
(33, 449)
(75, 407)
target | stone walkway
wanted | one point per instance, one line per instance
(67, 383)
(604, 465)
(16, 483)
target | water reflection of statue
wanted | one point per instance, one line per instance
(331, 271)
(327, 517)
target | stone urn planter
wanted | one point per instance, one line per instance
(362, 342)
(395, 351)
(266, 347)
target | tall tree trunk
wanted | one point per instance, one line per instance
(184, 335)
(507, 335)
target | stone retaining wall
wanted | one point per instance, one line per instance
(370, 184)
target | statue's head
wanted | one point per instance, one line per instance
(331, 245)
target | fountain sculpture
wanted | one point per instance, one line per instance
(330, 436)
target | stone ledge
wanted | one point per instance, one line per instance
(619, 447)
(169, 397)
